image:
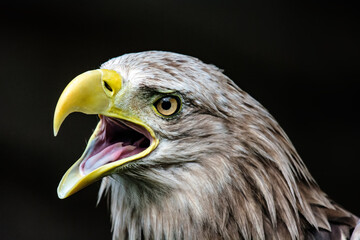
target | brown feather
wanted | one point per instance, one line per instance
(224, 168)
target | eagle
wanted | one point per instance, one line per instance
(184, 153)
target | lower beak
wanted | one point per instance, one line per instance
(94, 92)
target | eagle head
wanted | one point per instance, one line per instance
(186, 154)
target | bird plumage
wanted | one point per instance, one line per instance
(223, 169)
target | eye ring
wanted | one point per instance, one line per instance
(168, 105)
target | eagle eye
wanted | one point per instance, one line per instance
(168, 106)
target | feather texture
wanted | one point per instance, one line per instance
(224, 168)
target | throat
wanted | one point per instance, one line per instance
(148, 212)
(192, 212)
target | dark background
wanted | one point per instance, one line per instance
(299, 59)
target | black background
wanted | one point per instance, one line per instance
(299, 59)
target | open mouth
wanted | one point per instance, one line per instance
(119, 138)
(114, 140)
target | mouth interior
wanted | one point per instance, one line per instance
(116, 139)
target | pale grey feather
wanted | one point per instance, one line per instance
(224, 168)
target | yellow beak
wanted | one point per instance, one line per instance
(94, 92)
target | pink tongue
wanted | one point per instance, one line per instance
(109, 154)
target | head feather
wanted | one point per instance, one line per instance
(224, 168)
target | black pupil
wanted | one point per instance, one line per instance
(166, 104)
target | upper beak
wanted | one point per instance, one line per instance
(93, 92)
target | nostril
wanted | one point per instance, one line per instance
(108, 86)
